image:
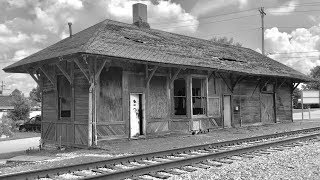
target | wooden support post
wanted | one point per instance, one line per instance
(284, 80)
(36, 79)
(97, 75)
(225, 81)
(64, 72)
(174, 77)
(294, 87)
(91, 110)
(73, 119)
(51, 79)
(239, 79)
(259, 82)
(266, 83)
(82, 68)
(151, 74)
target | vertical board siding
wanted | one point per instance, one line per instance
(49, 113)
(247, 97)
(81, 134)
(158, 98)
(283, 104)
(81, 103)
(110, 105)
(81, 90)
(110, 96)
(110, 131)
(157, 127)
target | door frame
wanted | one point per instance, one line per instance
(143, 108)
(231, 109)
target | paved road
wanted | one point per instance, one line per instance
(19, 145)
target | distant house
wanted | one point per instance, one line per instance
(115, 80)
(6, 103)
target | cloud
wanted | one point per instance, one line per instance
(299, 49)
(31, 25)
(284, 9)
(205, 6)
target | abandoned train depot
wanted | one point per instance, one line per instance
(121, 81)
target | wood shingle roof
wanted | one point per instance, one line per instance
(116, 39)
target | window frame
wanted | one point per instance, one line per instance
(59, 99)
(173, 98)
(205, 91)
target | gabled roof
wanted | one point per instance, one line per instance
(5, 102)
(116, 39)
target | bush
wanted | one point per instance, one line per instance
(6, 126)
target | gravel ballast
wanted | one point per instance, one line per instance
(302, 162)
(112, 149)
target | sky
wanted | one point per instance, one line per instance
(292, 27)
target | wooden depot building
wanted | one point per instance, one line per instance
(115, 80)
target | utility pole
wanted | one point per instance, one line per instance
(262, 13)
(2, 88)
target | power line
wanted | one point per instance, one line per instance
(208, 17)
(295, 57)
(247, 10)
(312, 10)
(211, 22)
(294, 52)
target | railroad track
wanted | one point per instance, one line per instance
(164, 164)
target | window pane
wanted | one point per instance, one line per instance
(64, 91)
(180, 106)
(179, 87)
(197, 87)
(199, 105)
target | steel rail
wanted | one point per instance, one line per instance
(90, 165)
(127, 173)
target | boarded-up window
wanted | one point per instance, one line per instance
(199, 96)
(180, 97)
(64, 94)
(213, 99)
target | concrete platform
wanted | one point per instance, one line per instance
(172, 141)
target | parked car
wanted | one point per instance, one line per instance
(33, 124)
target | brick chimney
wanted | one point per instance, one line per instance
(140, 16)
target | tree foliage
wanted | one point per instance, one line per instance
(296, 95)
(315, 74)
(21, 106)
(225, 40)
(35, 95)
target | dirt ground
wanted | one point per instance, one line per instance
(119, 148)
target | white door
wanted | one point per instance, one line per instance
(227, 111)
(134, 115)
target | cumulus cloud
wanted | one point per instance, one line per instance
(31, 25)
(299, 49)
(205, 6)
(284, 9)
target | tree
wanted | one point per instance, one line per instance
(315, 74)
(35, 95)
(21, 106)
(295, 96)
(225, 40)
